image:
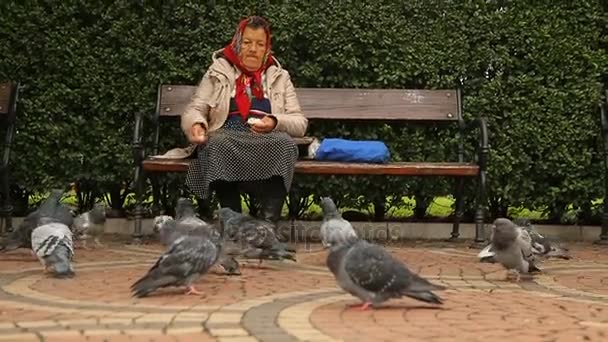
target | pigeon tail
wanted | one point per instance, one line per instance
(424, 296)
(559, 252)
(280, 251)
(148, 284)
(8, 245)
(486, 252)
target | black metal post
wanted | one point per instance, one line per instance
(484, 150)
(138, 179)
(459, 191)
(604, 119)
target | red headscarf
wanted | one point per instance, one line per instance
(251, 80)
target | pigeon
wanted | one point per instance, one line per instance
(52, 244)
(334, 229)
(541, 246)
(255, 238)
(189, 222)
(50, 210)
(512, 247)
(170, 230)
(165, 227)
(184, 262)
(368, 272)
(90, 224)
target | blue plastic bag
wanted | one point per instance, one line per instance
(357, 151)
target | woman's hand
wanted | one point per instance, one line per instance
(264, 125)
(198, 134)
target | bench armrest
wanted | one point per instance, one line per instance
(484, 145)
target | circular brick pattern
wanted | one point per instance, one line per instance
(290, 302)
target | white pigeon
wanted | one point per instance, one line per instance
(52, 244)
(90, 225)
(334, 229)
(512, 246)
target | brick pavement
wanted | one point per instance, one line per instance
(300, 301)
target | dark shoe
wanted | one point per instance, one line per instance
(228, 195)
(271, 208)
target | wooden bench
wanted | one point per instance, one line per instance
(387, 105)
(9, 92)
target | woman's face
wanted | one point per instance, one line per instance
(253, 47)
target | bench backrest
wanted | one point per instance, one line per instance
(8, 97)
(346, 104)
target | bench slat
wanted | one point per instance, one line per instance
(379, 104)
(322, 167)
(346, 104)
(5, 97)
(394, 169)
(174, 99)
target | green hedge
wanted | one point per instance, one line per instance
(535, 69)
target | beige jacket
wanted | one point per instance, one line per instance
(209, 104)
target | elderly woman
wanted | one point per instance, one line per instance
(242, 117)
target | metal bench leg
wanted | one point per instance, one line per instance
(484, 150)
(139, 211)
(604, 119)
(156, 194)
(479, 213)
(604, 233)
(459, 208)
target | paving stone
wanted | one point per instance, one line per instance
(274, 303)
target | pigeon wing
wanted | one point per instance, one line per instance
(374, 269)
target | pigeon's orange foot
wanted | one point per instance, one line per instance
(362, 306)
(193, 291)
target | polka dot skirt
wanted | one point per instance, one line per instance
(235, 153)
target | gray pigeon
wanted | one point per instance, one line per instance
(255, 238)
(541, 246)
(50, 210)
(512, 246)
(170, 230)
(184, 262)
(370, 273)
(52, 244)
(334, 229)
(189, 222)
(90, 224)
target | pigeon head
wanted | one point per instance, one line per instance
(97, 215)
(53, 199)
(184, 208)
(329, 207)
(50, 205)
(62, 270)
(225, 214)
(58, 263)
(522, 222)
(226, 228)
(231, 266)
(160, 223)
(504, 230)
(56, 194)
